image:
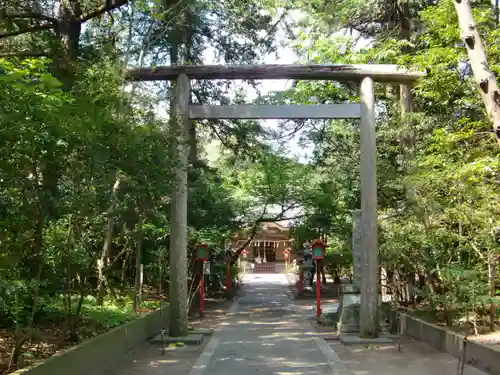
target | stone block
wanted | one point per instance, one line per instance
(348, 313)
(349, 289)
(357, 246)
(191, 339)
(354, 339)
(329, 314)
(306, 267)
(201, 331)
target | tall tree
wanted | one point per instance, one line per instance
(485, 78)
(60, 21)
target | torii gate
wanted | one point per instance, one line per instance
(364, 74)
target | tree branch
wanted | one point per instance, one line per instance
(25, 54)
(28, 15)
(260, 220)
(45, 26)
(283, 218)
(253, 232)
(108, 6)
(212, 126)
(478, 251)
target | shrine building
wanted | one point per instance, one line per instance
(267, 248)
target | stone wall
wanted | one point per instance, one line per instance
(98, 353)
(483, 357)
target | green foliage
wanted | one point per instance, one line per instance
(111, 314)
(62, 154)
(85, 163)
(437, 168)
(86, 171)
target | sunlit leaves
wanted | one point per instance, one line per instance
(438, 169)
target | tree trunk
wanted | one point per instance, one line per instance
(68, 31)
(484, 77)
(405, 94)
(138, 265)
(102, 263)
(497, 13)
(492, 292)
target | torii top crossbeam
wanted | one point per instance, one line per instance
(337, 72)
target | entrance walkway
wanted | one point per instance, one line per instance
(267, 334)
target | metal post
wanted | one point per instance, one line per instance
(228, 277)
(202, 289)
(301, 281)
(318, 291)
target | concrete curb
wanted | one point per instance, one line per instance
(95, 354)
(481, 356)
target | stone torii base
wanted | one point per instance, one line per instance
(348, 319)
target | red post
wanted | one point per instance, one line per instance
(228, 277)
(301, 281)
(318, 291)
(202, 289)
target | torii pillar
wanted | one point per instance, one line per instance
(368, 324)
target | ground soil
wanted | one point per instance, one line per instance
(491, 339)
(484, 336)
(50, 340)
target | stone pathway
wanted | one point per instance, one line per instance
(147, 359)
(266, 333)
